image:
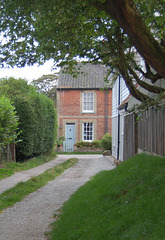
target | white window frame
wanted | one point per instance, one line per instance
(85, 133)
(87, 102)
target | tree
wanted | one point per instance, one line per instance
(47, 84)
(99, 30)
(128, 17)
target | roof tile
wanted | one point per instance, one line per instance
(89, 76)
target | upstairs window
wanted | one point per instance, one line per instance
(88, 102)
(88, 132)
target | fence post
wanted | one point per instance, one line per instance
(136, 133)
(13, 152)
(8, 152)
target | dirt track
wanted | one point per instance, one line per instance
(30, 219)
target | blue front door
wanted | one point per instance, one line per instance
(70, 131)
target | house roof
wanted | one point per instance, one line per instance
(90, 76)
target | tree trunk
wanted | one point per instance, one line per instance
(128, 17)
(8, 152)
(13, 152)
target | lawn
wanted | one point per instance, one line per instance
(127, 203)
(77, 153)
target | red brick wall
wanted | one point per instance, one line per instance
(70, 110)
(69, 103)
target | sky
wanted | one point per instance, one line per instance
(28, 73)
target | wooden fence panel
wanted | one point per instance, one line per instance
(146, 134)
(151, 124)
(8, 153)
(130, 133)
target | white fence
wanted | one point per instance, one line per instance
(68, 146)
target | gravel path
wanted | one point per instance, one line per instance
(23, 176)
(30, 219)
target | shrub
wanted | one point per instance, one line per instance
(80, 144)
(59, 141)
(106, 142)
(94, 144)
(83, 144)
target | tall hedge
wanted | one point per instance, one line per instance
(8, 122)
(37, 118)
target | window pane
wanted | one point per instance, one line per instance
(87, 131)
(88, 100)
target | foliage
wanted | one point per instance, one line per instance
(94, 144)
(60, 140)
(158, 103)
(106, 142)
(81, 144)
(8, 122)
(12, 87)
(47, 84)
(108, 31)
(22, 189)
(123, 203)
(37, 116)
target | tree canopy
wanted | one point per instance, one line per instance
(47, 84)
(107, 31)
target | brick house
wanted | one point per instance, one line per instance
(84, 110)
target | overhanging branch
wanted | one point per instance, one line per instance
(145, 85)
(123, 68)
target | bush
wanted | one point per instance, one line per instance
(94, 144)
(37, 117)
(83, 144)
(106, 142)
(59, 141)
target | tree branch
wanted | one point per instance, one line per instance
(128, 17)
(145, 85)
(123, 68)
(150, 75)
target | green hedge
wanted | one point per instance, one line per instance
(37, 118)
(8, 122)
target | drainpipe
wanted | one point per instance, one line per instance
(105, 112)
(118, 143)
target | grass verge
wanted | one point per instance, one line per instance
(17, 193)
(9, 168)
(76, 153)
(127, 203)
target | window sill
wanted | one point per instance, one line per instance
(88, 112)
(87, 140)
